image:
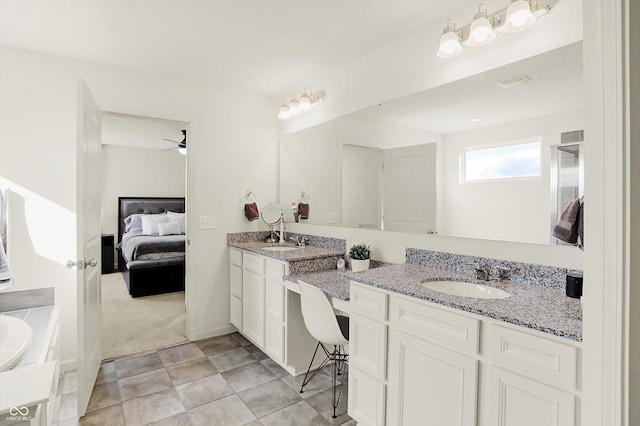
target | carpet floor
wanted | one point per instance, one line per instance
(134, 325)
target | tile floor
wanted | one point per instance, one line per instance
(224, 380)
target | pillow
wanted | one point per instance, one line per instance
(133, 223)
(180, 218)
(168, 228)
(150, 223)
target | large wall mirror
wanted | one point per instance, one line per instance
(495, 156)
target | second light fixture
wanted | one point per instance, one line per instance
(299, 104)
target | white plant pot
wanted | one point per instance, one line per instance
(359, 265)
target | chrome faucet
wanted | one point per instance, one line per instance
(485, 273)
(301, 240)
(482, 271)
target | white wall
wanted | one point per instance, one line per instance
(233, 147)
(138, 172)
(510, 210)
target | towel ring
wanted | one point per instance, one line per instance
(249, 197)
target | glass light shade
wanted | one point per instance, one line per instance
(284, 113)
(449, 45)
(481, 32)
(182, 151)
(304, 103)
(519, 17)
(318, 98)
(294, 108)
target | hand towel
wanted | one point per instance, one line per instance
(581, 225)
(567, 227)
(303, 209)
(251, 211)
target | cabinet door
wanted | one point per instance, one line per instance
(235, 281)
(235, 312)
(518, 401)
(253, 307)
(368, 345)
(429, 384)
(275, 300)
(274, 339)
(366, 398)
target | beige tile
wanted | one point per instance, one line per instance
(275, 368)
(178, 354)
(191, 370)
(319, 383)
(109, 416)
(229, 360)
(181, 419)
(243, 341)
(248, 376)
(322, 402)
(269, 397)
(131, 366)
(300, 414)
(152, 408)
(204, 391)
(217, 344)
(230, 411)
(104, 395)
(107, 373)
(144, 384)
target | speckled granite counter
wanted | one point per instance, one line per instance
(532, 306)
(307, 252)
(332, 282)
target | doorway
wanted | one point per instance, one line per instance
(141, 157)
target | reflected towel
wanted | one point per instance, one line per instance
(303, 209)
(251, 211)
(581, 225)
(567, 227)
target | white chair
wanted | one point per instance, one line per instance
(330, 330)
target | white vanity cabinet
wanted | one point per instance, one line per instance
(257, 300)
(413, 362)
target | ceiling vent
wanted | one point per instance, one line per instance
(514, 81)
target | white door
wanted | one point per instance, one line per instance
(88, 243)
(409, 189)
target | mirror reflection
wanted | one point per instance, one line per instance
(473, 158)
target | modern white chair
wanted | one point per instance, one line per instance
(330, 330)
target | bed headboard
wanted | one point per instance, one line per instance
(130, 205)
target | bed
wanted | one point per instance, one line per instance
(151, 259)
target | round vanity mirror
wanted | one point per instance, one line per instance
(271, 214)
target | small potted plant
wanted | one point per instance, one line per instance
(360, 255)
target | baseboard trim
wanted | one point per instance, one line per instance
(68, 365)
(213, 332)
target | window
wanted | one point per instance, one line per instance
(513, 160)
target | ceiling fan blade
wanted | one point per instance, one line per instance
(169, 149)
(170, 140)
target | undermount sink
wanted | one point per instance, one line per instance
(15, 340)
(459, 288)
(277, 248)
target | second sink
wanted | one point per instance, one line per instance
(459, 288)
(278, 248)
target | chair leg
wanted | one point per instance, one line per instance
(340, 360)
(307, 377)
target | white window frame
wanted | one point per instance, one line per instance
(463, 156)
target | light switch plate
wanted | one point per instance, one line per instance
(208, 222)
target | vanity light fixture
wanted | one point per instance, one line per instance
(519, 15)
(299, 104)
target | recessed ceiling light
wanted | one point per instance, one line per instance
(516, 80)
(475, 120)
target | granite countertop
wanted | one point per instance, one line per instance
(303, 253)
(332, 282)
(532, 306)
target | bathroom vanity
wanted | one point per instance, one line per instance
(29, 389)
(417, 353)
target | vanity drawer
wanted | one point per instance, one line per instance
(539, 358)
(235, 280)
(253, 263)
(368, 303)
(438, 325)
(235, 256)
(274, 270)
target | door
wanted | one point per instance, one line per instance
(409, 189)
(88, 245)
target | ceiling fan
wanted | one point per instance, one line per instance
(180, 146)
